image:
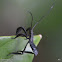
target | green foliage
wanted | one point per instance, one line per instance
(8, 45)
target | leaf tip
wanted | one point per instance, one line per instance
(40, 36)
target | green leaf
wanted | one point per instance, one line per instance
(8, 45)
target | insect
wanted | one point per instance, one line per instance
(30, 36)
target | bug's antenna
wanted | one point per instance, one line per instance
(47, 13)
(32, 18)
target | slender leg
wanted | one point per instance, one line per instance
(19, 29)
(23, 35)
(22, 52)
(18, 34)
(28, 30)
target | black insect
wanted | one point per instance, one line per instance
(30, 36)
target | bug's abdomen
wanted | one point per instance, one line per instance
(34, 48)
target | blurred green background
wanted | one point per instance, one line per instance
(14, 13)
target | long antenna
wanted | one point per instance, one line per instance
(47, 13)
(32, 18)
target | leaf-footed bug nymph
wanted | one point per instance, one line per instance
(30, 36)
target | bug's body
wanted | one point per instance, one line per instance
(30, 36)
(32, 44)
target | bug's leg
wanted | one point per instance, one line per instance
(18, 34)
(25, 46)
(34, 48)
(28, 52)
(29, 31)
(35, 52)
(23, 35)
(20, 52)
(19, 29)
